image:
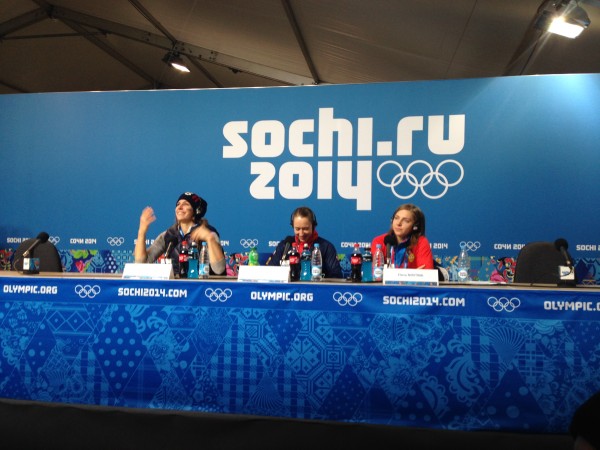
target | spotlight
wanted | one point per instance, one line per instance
(565, 18)
(175, 61)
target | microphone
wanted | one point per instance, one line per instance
(389, 241)
(562, 246)
(286, 249)
(171, 241)
(40, 239)
(288, 241)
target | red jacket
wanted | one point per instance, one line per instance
(419, 256)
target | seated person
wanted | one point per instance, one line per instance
(304, 223)
(406, 240)
(189, 226)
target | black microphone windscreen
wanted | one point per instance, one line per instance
(170, 237)
(288, 243)
(43, 237)
(560, 242)
(171, 241)
(389, 240)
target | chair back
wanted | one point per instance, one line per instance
(537, 263)
(46, 252)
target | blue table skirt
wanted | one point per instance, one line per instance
(450, 357)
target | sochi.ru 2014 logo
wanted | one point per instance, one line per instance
(328, 154)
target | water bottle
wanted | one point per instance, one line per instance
(193, 261)
(356, 260)
(367, 266)
(203, 263)
(183, 260)
(253, 257)
(316, 263)
(378, 263)
(305, 274)
(294, 259)
(463, 264)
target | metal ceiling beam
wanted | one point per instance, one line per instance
(206, 73)
(289, 12)
(14, 87)
(22, 21)
(153, 20)
(48, 10)
(528, 46)
(187, 49)
(159, 26)
(111, 51)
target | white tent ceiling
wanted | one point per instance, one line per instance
(90, 45)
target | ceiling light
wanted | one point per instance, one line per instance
(569, 19)
(175, 61)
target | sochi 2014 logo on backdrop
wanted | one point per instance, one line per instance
(357, 160)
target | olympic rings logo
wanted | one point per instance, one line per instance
(87, 291)
(470, 246)
(115, 241)
(218, 294)
(347, 298)
(54, 240)
(425, 180)
(248, 243)
(503, 304)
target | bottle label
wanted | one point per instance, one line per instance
(355, 260)
(294, 259)
(316, 271)
(463, 274)
(378, 273)
(203, 269)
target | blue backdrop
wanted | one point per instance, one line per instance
(495, 162)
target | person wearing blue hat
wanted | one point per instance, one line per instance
(190, 225)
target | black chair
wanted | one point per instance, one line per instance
(46, 252)
(537, 263)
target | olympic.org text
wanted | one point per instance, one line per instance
(152, 292)
(571, 306)
(281, 296)
(26, 289)
(452, 302)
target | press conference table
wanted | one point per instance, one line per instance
(451, 357)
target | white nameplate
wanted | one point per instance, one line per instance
(264, 274)
(139, 271)
(411, 277)
(565, 273)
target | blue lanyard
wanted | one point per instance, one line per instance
(400, 260)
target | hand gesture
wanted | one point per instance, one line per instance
(147, 218)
